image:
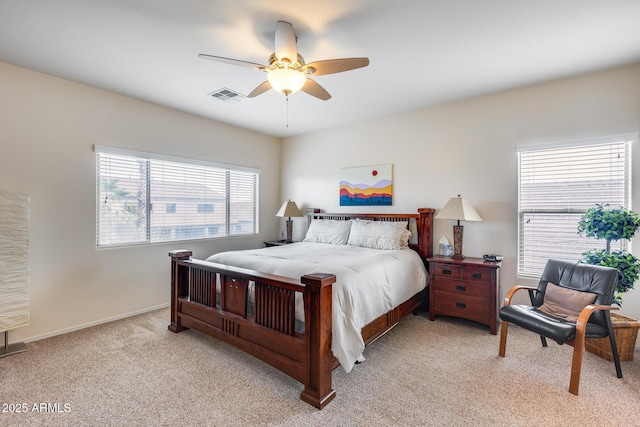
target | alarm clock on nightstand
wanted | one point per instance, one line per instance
(492, 258)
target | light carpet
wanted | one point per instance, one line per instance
(134, 372)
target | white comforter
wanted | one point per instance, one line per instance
(369, 282)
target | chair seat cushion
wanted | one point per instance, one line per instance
(555, 328)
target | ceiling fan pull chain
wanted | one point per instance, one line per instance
(286, 95)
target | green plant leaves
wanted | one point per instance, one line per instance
(611, 225)
(628, 267)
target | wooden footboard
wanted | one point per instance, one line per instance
(268, 332)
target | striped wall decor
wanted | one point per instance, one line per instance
(14, 261)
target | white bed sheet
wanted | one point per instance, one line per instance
(369, 282)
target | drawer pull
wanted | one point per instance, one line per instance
(461, 305)
(476, 275)
(461, 288)
(446, 272)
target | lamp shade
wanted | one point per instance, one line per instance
(459, 209)
(286, 80)
(289, 208)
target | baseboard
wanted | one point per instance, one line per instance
(97, 322)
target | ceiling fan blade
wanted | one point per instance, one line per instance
(285, 45)
(331, 66)
(264, 86)
(314, 89)
(230, 61)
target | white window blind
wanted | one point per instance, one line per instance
(148, 199)
(556, 186)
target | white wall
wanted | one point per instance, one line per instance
(468, 148)
(48, 127)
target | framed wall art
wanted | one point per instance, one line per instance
(367, 186)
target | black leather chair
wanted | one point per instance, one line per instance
(577, 284)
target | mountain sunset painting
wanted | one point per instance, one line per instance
(366, 186)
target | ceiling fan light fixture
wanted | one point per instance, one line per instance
(286, 80)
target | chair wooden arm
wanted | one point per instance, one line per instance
(505, 325)
(513, 290)
(578, 345)
(583, 318)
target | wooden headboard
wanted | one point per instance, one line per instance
(420, 224)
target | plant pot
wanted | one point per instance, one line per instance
(625, 331)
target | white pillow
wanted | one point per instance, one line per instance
(386, 235)
(330, 231)
(406, 236)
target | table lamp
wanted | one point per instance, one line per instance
(458, 209)
(289, 209)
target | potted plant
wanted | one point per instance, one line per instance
(612, 225)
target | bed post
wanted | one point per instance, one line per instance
(318, 390)
(425, 231)
(179, 285)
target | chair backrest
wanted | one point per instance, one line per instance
(596, 279)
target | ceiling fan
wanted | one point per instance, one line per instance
(287, 72)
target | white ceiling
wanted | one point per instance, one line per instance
(422, 52)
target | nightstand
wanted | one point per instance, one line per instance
(277, 243)
(465, 288)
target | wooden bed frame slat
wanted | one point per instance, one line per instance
(268, 332)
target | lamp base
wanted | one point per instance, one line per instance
(457, 242)
(9, 349)
(289, 230)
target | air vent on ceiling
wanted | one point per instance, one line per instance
(227, 95)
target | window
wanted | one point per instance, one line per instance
(194, 200)
(557, 185)
(205, 207)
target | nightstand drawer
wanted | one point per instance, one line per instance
(462, 306)
(459, 287)
(477, 274)
(446, 270)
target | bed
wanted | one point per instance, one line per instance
(288, 313)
